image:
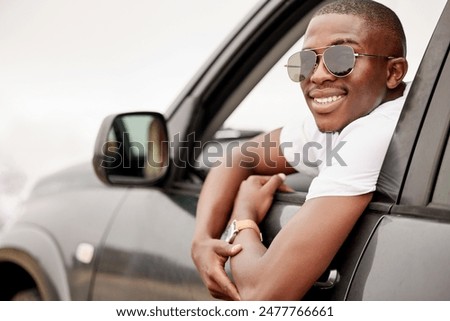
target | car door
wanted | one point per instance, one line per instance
(146, 252)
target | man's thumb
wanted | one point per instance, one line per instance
(229, 250)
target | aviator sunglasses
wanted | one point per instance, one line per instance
(339, 61)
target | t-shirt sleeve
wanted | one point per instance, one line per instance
(352, 165)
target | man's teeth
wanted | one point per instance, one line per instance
(327, 100)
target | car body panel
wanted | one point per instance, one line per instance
(26, 245)
(146, 254)
(406, 259)
(66, 210)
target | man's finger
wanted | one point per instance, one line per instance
(260, 179)
(274, 183)
(225, 284)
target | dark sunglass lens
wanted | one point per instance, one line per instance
(300, 65)
(340, 60)
(308, 61)
(293, 67)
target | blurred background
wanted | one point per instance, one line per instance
(65, 65)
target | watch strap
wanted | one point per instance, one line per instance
(248, 224)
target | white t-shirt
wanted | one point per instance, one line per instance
(346, 163)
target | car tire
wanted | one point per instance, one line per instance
(27, 295)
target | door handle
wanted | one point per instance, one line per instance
(332, 280)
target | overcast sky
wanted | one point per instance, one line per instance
(65, 65)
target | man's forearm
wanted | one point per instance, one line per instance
(299, 253)
(217, 198)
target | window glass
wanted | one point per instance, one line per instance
(275, 100)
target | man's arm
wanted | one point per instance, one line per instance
(213, 210)
(215, 205)
(301, 251)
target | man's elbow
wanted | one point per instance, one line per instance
(258, 293)
(252, 295)
(250, 289)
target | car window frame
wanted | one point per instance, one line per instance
(430, 147)
(415, 197)
(402, 155)
(443, 177)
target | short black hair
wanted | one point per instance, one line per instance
(376, 14)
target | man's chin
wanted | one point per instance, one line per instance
(328, 128)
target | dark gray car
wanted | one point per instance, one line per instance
(121, 228)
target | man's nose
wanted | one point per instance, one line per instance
(320, 73)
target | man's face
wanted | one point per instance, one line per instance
(336, 102)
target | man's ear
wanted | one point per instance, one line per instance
(396, 71)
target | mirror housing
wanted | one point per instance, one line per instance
(132, 149)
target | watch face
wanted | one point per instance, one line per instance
(230, 233)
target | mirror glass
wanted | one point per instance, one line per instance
(136, 150)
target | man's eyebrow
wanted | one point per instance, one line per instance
(341, 41)
(344, 41)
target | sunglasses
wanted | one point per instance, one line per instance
(339, 60)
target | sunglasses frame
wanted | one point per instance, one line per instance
(313, 50)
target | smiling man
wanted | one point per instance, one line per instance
(350, 71)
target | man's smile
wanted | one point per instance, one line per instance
(327, 100)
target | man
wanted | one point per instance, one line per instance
(351, 73)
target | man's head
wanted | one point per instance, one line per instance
(375, 32)
(375, 15)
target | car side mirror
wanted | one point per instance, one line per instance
(132, 149)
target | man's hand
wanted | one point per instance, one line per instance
(210, 256)
(255, 196)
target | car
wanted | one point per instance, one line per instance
(120, 227)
